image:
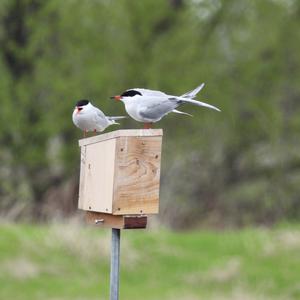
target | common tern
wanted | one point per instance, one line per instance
(87, 117)
(150, 106)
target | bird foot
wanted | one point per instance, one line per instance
(148, 125)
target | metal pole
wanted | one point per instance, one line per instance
(115, 264)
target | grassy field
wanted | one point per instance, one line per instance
(69, 261)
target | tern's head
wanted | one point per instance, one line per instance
(82, 105)
(129, 94)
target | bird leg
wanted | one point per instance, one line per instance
(95, 132)
(147, 125)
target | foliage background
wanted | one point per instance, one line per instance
(234, 168)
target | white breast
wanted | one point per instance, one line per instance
(132, 107)
(89, 121)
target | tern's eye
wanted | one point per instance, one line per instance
(131, 93)
(79, 108)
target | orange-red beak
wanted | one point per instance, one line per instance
(78, 109)
(118, 98)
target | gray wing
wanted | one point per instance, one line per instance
(99, 113)
(114, 118)
(101, 120)
(156, 108)
(146, 92)
(193, 93)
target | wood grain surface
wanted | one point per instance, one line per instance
(137, 175)
(120, 172)
(96, 186)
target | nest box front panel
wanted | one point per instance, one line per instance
(137, 175)
(96, 176)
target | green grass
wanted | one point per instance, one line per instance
(70, 261)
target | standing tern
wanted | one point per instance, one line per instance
(149, 106)
(87, 117)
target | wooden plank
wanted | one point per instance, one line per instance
(82, 177)
(120, 133)
(135, 222)
(96, 191)
(109, 221)
(119, 222)
(137, 175)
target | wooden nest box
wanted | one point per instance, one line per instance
(120, 175)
